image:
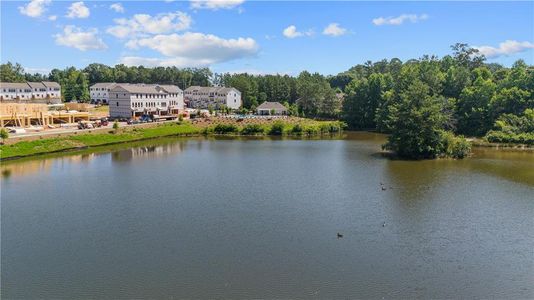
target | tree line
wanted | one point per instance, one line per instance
(306, 95)
(422, 100)
(75, 82)
(423, 103)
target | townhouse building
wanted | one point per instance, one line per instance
(135, 100)
(99, 92)
(38, 92)
(216, 97)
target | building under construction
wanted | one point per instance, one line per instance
(29, 114)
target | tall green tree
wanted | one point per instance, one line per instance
(418, 123)
(473, 108)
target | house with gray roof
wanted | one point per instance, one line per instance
(99, 92)
(134, 100)
(53, 89)
(271, 108)
(35, 92)
(203, 97)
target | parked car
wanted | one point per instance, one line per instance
(17, 130)
(85, 125)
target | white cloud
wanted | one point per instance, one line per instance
(117, 7)
(179, 62)
(291, 32)
(507, 47)
(333, 29)
(35, 8)
(146, 24)
(78, 10)
(215, 4)
(75, 37)
(192, 49)
(400, 19)
(52, 18)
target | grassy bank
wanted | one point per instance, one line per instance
(28, 148)
(82, 141)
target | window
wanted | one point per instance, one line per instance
(117, 103)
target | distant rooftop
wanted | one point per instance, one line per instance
(271, 105)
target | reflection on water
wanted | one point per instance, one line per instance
(257, 218)
(117, 153)
(149, 151)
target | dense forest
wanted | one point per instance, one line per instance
(422, 102)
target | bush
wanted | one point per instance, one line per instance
(277, 128)
(3, 134)
(115, 126)
(455, 146)
(509, 138)
(252, 129)
(297, 129)
(225, 128)
(312, 129)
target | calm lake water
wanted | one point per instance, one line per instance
(258, 218)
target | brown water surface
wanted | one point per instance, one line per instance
(258, 218)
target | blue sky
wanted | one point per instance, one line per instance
(257, 36)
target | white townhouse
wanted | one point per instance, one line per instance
(15, 91)
(53, 90)
(99, 92)
(38, 92)
(216, 97)
(134, 100)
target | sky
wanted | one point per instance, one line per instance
(259, 37)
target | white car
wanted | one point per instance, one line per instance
(17, 130)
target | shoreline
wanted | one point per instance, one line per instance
(86, 140)
(79, 141)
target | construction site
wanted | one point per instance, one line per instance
(42, 116)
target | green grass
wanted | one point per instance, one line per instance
(27, 148)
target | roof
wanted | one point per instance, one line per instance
(169, 88)
(137, 88)
(103, 85)
(36, 85)
(51, 84)
(271, 105)
(14, 85)
(210, 89)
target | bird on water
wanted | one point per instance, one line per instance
(339, 235)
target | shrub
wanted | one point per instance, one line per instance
(277, 128)
(455, 146)
(3, 134)
(312, 129)
(115, 126)
(180, 118)
(325, 128)
(297, 129)
(252, 129)
(225, 128)
(508, 138)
